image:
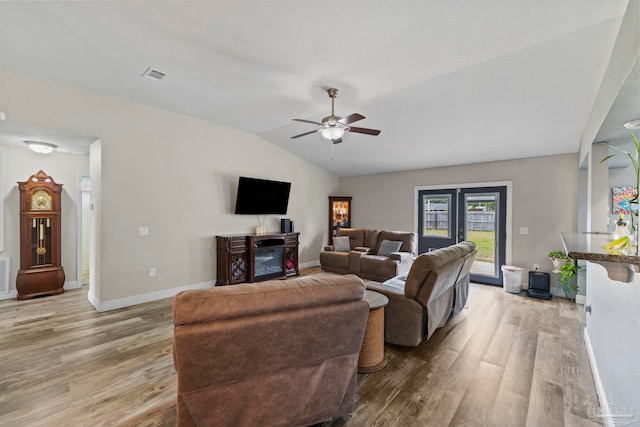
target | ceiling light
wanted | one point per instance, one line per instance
(332, 133)
(41, 147)
(633, 124)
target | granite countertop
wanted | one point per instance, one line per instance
(590, 247)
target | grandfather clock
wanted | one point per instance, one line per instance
(40, 271)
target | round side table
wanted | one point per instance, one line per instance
(371, 357)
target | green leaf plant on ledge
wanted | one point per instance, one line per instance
(566, 274)
(558, 258)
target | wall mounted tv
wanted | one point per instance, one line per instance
(261, 196)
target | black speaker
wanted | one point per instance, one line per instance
(286, 226)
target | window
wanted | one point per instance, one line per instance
(436, 209)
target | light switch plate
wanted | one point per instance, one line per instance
(524, 230)
(143, 231)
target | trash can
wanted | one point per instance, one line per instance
(512, 278)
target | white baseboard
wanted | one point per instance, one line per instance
(580, 299)
(309, 264)
(602, 396)
(9, 295)
(93, 299)
(141, 299)
(14, 293)
(74, 284)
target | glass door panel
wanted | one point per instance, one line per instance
(437, 219)
(483, 213)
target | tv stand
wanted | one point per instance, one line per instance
(256, 257)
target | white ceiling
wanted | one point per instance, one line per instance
(625, 108)
(447, 81)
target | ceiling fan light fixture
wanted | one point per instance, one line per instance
(334, 127)
(41, 147)
(633, 124)
(332, 133)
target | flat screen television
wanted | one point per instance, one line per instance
(261, 196)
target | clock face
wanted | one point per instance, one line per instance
(41, 201)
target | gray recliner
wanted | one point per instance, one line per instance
(435, 289)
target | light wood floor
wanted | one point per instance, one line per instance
(507, 360)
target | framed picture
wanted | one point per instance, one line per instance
(339, 215)
(620, 200)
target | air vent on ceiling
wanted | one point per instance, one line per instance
(153, 74)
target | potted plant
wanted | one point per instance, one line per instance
(558, 258)
(566, 274)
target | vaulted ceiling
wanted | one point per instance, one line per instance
(447, 81)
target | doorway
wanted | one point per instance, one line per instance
(84, 210)
(447, 216)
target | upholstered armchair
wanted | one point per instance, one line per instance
(276, 353)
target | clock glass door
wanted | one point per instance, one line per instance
(41, 241)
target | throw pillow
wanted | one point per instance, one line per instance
(341, 244)
(388, 246)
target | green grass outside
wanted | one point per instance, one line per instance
(484, 240)
(485, 243)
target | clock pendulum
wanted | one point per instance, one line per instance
(41, 250)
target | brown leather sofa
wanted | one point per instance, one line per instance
(435, 289)
(363, 256)
(276, 353)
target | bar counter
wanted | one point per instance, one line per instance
(590, 247)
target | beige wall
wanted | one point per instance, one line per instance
(177, 176)
(172, 173)
(544, 200)
(19, 164)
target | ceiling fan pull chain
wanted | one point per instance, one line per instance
(332, 144)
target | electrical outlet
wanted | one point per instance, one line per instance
(536, 267)
(143, 231)
(152, 272)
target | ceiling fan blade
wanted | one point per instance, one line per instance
(336, 141)
(303, 134)
(364, 130)
(351, 118)
(307, 121)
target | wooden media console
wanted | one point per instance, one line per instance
(256, 257)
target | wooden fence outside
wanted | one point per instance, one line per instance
(476, 220)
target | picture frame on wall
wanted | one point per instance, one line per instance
(621, 200)
(339, 215)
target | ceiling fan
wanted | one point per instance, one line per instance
(333, 127)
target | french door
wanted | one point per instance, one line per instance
(477, 214)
